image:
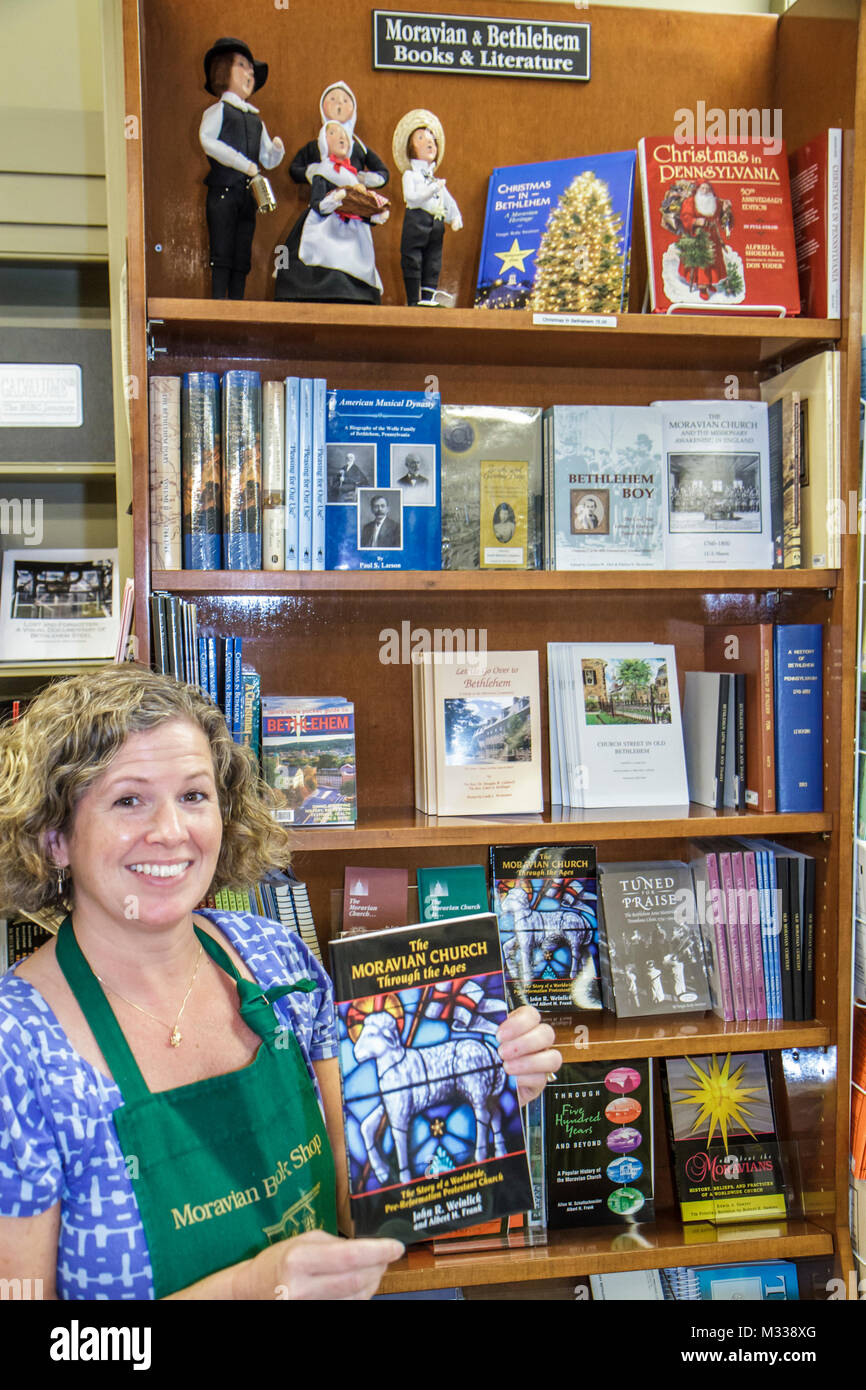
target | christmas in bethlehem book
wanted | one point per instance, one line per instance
(557, 236)
(719, 226)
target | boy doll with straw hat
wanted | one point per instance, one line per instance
(418, 146)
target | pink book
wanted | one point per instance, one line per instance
(754, 918)
(711, 914)
(745, 935)
(735, 955)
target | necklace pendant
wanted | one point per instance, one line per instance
(175, 1036)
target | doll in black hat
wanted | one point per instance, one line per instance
(237, 144)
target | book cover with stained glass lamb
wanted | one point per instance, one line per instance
(434, 1135)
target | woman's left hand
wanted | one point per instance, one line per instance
(527, 1051)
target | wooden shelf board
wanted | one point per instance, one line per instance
(57, 470)
(485, 581)
(14, 670)
(674, 1035)
(494, 338)
(393, 828)
(659, 1245)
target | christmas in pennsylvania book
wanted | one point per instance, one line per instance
(434, 1135)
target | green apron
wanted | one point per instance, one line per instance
(223, 1167)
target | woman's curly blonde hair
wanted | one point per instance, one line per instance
(69, 736)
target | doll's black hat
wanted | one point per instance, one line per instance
(260, 70)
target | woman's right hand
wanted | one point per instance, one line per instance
(316, 1265)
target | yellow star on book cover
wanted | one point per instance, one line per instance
(513, 258)
(720, 1097)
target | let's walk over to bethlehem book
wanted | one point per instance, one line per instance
(434, 1135)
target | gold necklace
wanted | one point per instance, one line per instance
(175, 1036)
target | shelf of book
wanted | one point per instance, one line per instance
(390, 333)
(663, 1244)
(486, 581)
(406, 828)
(608, 1037)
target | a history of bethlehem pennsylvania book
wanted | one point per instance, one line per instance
(434, 1135)
(605, 482)
(491, 487)
(722, 1130)
(598, 1124)
(545, 899)
(719, 226)
(557, 236)
(308, 757)
(717, 461)
(650, 944)
(383, 498)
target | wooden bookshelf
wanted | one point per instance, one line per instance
(309, 633)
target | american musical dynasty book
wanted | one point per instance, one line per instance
(434, 1135)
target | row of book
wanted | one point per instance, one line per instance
(731, 930)
(214, 663)
(558, 234)
(281, 897)
(751, 734)
(391, 480)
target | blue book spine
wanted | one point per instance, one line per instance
(293, 470)
(305, 452)
(237, 690)
(212, 677)
(242, 470)
(201, 454)
(202, 664)
(228, 644)
(320, 388)
(798, 701)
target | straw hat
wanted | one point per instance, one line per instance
(412, 121)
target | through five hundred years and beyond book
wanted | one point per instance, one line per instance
(434, 1136)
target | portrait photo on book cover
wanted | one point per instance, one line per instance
(715, 492)
(495, 729)
(413, 469)
(349, 467)
(590, 512)
(504, 522)
(380, 518)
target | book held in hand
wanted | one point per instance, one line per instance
(545, 898)
(434, 1137)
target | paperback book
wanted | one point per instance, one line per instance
(717, 462)
(650, 944)
(719, 227)
(816, 381)
(59, 605)
(374, 898)
(434, 1136)
(599, 1144)
(458, 890)
(725, 1147)
(557, 236)
(604, 482)
(308, 757)
(816, 196)
(491, 487)
(383, 508)
(545, 899)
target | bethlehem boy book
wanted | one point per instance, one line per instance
(434, 1136)
(383, 502)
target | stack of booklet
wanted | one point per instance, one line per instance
(616, 734)
(477, 733)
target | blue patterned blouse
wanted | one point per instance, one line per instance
(57, 1139)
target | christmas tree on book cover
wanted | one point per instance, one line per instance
(580, 266)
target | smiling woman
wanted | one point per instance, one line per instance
(169, 1096)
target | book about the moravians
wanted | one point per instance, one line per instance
(434, 1136)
